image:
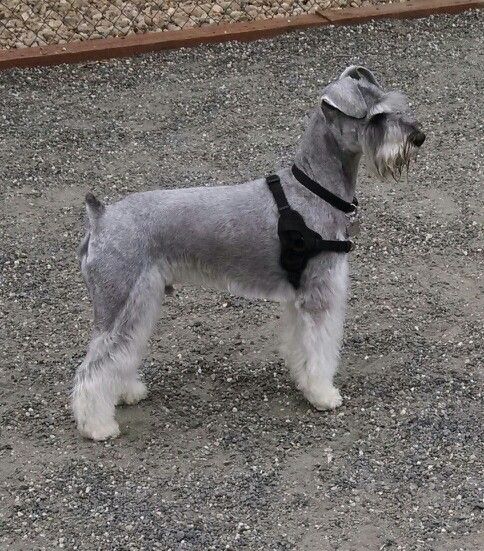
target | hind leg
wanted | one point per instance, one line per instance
(108, 375)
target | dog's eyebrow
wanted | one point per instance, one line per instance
(379, 108)
(392, 102)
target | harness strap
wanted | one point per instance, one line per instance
(335, 246)
(274, 183)
(324, 193)
(298, 242)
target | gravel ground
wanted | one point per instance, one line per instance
(36, 23)
(225, 453)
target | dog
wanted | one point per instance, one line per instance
(226, 237)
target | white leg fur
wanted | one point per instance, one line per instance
(108, 374)
(313, 331)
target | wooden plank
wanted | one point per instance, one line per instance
(92, 50)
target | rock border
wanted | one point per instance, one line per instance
(95, 50)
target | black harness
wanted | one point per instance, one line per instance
(299, 243)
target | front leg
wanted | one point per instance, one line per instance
(313, 331)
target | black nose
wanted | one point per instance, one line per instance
(417, 138)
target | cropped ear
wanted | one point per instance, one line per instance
(345, 96)
(357, 72)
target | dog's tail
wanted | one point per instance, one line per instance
(95, 210)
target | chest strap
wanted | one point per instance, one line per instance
(298, 243)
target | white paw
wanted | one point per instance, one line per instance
(94, 414)
(327, 398)
(133, 393)
(99, 431)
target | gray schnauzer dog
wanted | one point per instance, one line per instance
(226, 237)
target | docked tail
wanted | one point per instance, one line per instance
(95, 210)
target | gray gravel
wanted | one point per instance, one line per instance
(225, 453)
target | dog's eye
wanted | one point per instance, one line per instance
(378, 118)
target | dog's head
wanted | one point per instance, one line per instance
(380, 124)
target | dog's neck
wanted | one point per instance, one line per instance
(323, 156)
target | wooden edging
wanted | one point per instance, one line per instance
(91, 50)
